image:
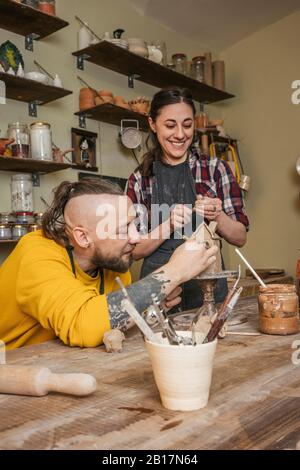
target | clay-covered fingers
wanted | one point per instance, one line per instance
(180, 216)
(173, 299)
(208, 207)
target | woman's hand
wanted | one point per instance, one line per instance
(209, 207)
(180, 216)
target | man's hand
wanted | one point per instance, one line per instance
(190, 259)
(173, 299)
(209, 207)
(180, 216)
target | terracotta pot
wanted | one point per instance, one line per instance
(86, 98)
(105, 93)
(98, 100)
(119, 101)
(107, 99)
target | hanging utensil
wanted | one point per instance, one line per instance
(131, 137)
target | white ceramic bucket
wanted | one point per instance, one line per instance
(182, 373)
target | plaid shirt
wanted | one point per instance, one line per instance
(213, 178)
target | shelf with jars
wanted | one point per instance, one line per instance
(118, 59)
(34, 19)
(29, 149)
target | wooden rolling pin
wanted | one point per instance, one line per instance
(39, 381)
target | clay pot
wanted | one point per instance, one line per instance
(105, 93)
(108, 99)
(98, 100)
(182, 373)
(86, 98)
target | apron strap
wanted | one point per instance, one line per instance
(69, 250)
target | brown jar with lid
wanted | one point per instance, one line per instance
(278, 309)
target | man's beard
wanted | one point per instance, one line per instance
(114, 263)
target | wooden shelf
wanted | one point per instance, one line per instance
(31, 166)
(122, 61)
(8, 241)
(23, 89)
(24, 20)
(113, 114)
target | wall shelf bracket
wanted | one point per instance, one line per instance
(29, 41)
(36, 180)
(82, 121)
(131, 79)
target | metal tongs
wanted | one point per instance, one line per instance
(157, 313)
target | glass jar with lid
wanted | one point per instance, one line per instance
(47, 6)
(41, 141)
(5, 232)
(278, 309)
(19, 132)
(7, 218)
(197, 68)
(21, 193)
(25, 218)
(180, 62)
(18, 231)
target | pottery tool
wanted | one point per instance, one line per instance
(209, 297)
(250, 267)
(129, 307)
(87, 27)
(243, 333)
(39, 381)
(43, 70)
(166, 325)
(86, 84)
(222, 317)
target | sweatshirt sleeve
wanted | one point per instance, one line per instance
(47, 290)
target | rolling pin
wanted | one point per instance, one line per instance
(39, 381)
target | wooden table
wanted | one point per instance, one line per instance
(254, 401)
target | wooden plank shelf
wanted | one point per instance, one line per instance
(120, 60)
(25, 20)
(113, 114)
(31, 166)
(2, 242)
(28, 91)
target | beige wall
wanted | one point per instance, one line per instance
(260, 70)
(54, 53)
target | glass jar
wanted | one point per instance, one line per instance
(20, 133)
(278, 309)
(47, 6)
(33, 228)
(38, 218)
(180, 62)
(41, 141)
(5, 232)
(31, 3)
(18, 231)
(197, 68)
(161, 46)
(7, 218)
(24, 218)
(21, 193)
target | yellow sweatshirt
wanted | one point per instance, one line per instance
(40, 299)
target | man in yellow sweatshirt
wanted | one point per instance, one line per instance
(61, 281)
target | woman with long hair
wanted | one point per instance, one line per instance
(173, 173)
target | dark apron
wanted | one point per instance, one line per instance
(192, 295)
